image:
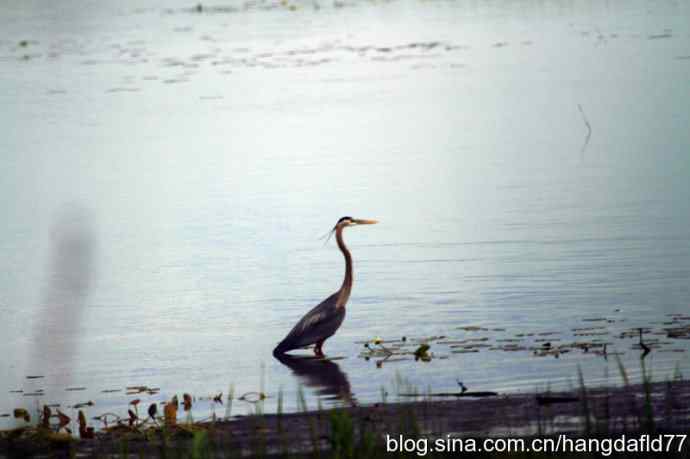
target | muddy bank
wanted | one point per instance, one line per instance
(654, 407)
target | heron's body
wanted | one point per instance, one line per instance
(316, 326)
(325, 319)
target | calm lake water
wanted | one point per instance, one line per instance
(166, 173)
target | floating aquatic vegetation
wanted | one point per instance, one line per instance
(83, 405)
(592, 333)
(133, 418)
(252, 397)
(678, 332)
(547, 351)
(381, 350)
(134, 390)
(422, 353)
(152, 411)
(472, 328)
(471, 346)
(187, 402)
(375, 348)
(21, 413)
(85, 431)
(170, 413)
(509, 348)
(64, 421)
(432, 338)
(45, 420)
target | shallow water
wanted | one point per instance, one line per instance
(166, 174)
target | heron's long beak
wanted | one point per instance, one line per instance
(365, 222)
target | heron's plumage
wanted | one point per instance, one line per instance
(323, 321)
(317, 325)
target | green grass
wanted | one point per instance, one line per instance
(341, 434)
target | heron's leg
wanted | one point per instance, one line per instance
(317, 349)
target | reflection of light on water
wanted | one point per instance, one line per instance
(58, 326)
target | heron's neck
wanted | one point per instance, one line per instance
(347, 282)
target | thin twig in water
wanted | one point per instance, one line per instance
(589, 129)
(644, 347)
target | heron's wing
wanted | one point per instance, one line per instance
(319, 323)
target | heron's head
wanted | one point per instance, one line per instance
(349, 221)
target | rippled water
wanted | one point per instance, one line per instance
(166, 174)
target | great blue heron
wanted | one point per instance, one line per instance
(323, 321)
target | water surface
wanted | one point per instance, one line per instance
(166, 173)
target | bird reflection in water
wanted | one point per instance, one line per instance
(323, 375)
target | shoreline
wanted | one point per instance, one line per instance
(585, 412)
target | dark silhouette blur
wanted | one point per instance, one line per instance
(57, 328)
